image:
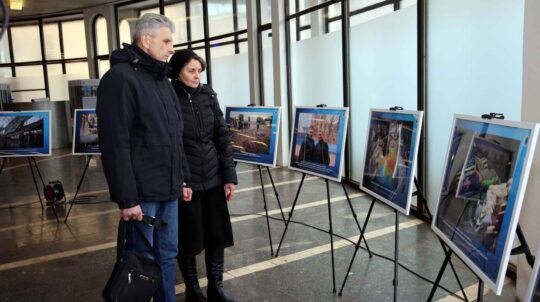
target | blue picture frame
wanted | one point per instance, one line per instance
(391, 151)
(254, 133)
(25, 133)
(320, 154)
(85, 133)
(480, 225)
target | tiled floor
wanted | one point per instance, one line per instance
(42, 260)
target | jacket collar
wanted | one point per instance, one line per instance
(135, 56)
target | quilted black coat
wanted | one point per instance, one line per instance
(206, 138)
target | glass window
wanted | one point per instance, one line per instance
(52, 41)
(80, 68)
(380, 76)
(372, 14)
(154, 10)
(359, 4)
(220, 17)
(4, 49)
(266, 11)
(103, 66)
(177, 13)
(5, 72)
(54, 69)
(30, 71)
(101, 36)
(303, 4)
(241, 11)
(27, 96)
(405, 3)
(268, 68)
(196, 18)
(230, 78)
(26, 43)
(125, 32)
(73, 35)
(314, 84)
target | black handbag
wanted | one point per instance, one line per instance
(135, 277)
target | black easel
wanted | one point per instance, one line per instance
(31, 160)
(330, 223)
(422, 200)
(265, 206)
(522, 249)
(72, 202)
(3, 163)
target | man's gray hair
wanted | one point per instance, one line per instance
(150, 23)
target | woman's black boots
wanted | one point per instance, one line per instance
(214, 274)
(188, 267)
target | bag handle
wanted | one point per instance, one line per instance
(156, 222)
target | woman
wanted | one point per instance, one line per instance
(204, 222)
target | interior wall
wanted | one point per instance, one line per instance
(474, 66)
(530, 112)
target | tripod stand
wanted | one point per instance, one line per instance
(265, 205)
(72, 202)
(330, 223)
(395, 282)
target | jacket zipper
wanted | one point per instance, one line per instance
(198, 126)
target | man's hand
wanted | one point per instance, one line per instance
(186, 194)
(132, 213)
(229, 191)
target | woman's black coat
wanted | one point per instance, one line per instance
(206, 138)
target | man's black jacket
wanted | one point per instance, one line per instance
(140, 130)
(206, 138)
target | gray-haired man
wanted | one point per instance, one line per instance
(140, 137)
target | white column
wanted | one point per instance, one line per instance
(280, 77)
(253, 52)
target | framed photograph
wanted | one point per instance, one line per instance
(483, 184)
(25, 133)
(533, 292)
(85, 132)
(254, 132)
(318, 140)
(391, 151)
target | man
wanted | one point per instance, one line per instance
(140, 136)
(307, 150)
(321, 150)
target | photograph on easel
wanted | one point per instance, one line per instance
(533, 291)
(484, 180)
(85, 133)
(25, 133)
(390, 162)
(318, 141)
(254, 133)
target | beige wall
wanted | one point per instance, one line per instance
(530, 112)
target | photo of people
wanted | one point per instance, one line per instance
(254, 133)
(24, 133)
(479, 197)
(85, 135)
(391, 151)
(318, 140)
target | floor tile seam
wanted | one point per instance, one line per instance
(69, 196)
(106, 212)
(38, 161)
(301, 255)
(261, 215)
(298, 207)
(56, 256)
(471, 291)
